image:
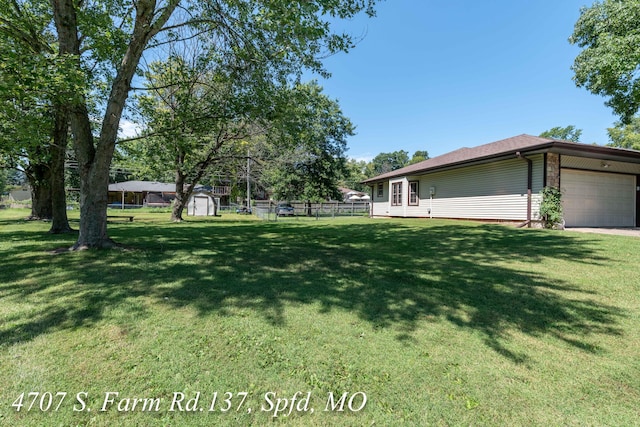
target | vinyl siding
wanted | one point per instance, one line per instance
(380, 205)
(400, 210)
(496, 190)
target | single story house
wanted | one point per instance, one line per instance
(350, 196)
(152, 194)
(20, 195)
(141, 193)
(502, 181)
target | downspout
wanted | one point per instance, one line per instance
(371, 202)
(529, 188)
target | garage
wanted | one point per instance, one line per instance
(597, 199)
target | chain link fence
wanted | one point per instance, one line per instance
(268, 210)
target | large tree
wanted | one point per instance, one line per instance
(309, 139)
(109, 37)
(33, 117)
(625, 135)
(569, 133)
(387, 162)
(196, 111)
(609, 34)
(4, 179)
(357, 171)
(419, 156)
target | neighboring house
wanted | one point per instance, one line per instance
(349, 195)
(221, 194)
(501, 181)
(141, 193)
(20, 195)
(152, 194)
(16, 198)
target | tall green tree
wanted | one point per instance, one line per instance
(4, 179)
(357, 171)
(387, 162)
(33, 86)
(196, 114)
(569, 133)
(107, 39)
(609, 34)
(309, 139)
(419, 156)
(625, 135)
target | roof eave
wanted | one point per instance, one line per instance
(597, 151)
(559, 147)
(476, 160)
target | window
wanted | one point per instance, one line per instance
(413, 193)
(380, 189)
(396, 199)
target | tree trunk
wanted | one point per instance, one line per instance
(94, 185)
(60, 222)
(181, 197)
(94, 157)
(46, 178)
(93, 162)
(184, 191)
(176, 211)
(93, 165)
(39, 176)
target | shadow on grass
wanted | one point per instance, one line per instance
(390, 274)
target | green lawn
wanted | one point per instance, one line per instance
(436, 322)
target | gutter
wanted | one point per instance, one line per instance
(552, 146)
(529, 188)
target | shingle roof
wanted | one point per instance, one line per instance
(504, 147)
(465, 154)
(140, 186)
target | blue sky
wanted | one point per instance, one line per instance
(438, 75)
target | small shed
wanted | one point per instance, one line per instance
(202, 204)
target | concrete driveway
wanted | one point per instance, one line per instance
(626, 231)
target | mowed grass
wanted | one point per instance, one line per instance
(436, 322)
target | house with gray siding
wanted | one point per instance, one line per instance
(502, 181)
(155, 194)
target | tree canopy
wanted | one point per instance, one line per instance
(35, 83)
(356, 172)
(387, 162)
(625, 135)
(419, 156)
(360, 170)
(103, 44)
(195, 114)
(609, 34)
(309, 139)
(569, 133)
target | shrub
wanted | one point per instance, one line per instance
(551, 208)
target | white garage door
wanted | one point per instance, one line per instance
(594, 199)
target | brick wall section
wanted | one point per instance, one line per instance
(553, 170)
